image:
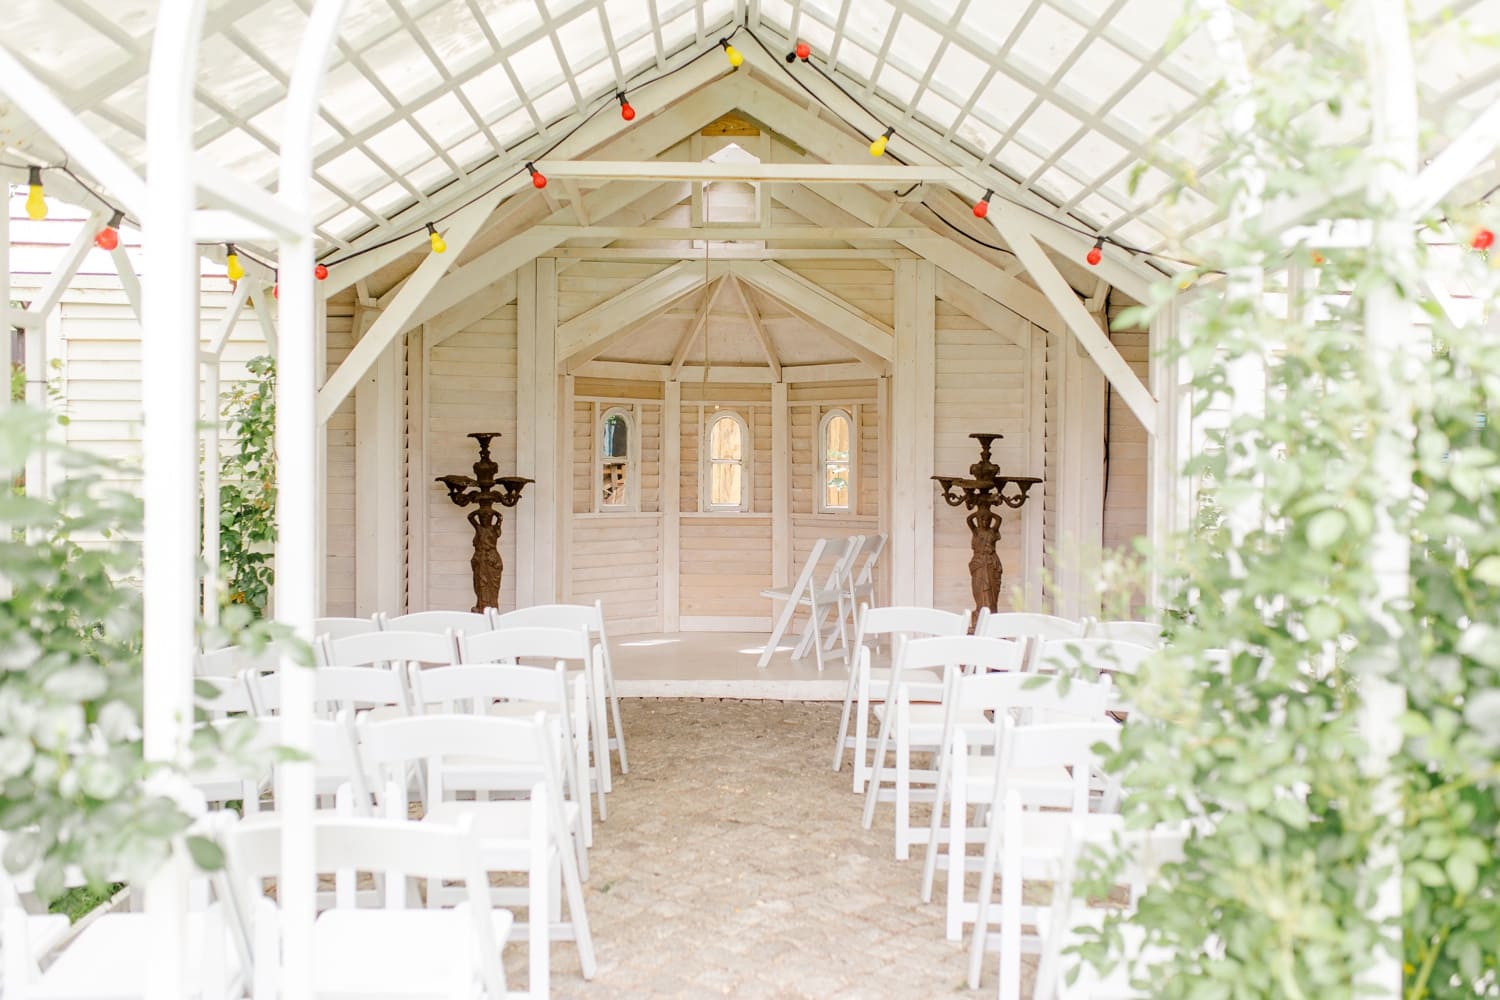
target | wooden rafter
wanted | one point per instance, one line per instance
(767, 346)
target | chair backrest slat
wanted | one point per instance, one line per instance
(1139, 632)
(339, 628)
(513, 644)
(436, 621)
(389, 648)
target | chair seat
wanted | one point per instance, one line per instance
(827, 595)
(108, 959)
(927, 718)
(509, 819)
(44, 931)
(391, 953)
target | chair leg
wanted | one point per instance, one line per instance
(809, 630)
(903, 791)
(862, 733)
(948, 774)
(577, 915)
(614, 710)
(539, 908)
(600, 724)
(782, 621)
(877, 766)
(838, 746)
(958, 834)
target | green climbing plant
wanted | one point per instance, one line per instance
(247, 492)
(1263, 751)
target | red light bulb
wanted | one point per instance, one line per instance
(276, 290)
(803, 51)
(538, 179)
(626, 111)
(321, 272)
(109, 237)
(1483, 240)
(1096, 253)
(982, 206)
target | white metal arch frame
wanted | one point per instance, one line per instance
(169, 382)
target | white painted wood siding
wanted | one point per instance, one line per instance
(981, 386)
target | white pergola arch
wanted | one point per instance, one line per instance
(968, 91)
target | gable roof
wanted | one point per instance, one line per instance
(1063, 104)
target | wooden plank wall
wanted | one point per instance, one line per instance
(471, 386)
(807, 404)
(339, 576)
(1125, 486)
(725, 559)
(1052, 437)
(981, 386)
(616, 556)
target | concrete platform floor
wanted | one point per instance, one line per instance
(720, 665)
(734, 864)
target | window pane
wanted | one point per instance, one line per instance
(613, 485)
(725, 443)
(835, 486)
(726, 478)
(615, 441)
(836, 440)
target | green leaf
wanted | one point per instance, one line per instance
(1326, 527)
(206, 854)
(1462, 873)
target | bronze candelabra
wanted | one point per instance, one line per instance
(981, 493)
(480, 490)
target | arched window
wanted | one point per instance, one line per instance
(836, 462)
(616, 456)
(726, 475)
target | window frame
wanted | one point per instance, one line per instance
(707, 463)
(632, 461)
(821, 462)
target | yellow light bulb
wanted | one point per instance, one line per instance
(36, 202)
(877, 148)
(735, 56)
(438, 243)
(232, 269)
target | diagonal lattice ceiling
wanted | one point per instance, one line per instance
(1071, 100)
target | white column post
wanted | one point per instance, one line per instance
(169, 445)
(300, 479)
(913, 432)
(524, 516)
(781, 486)
(1034, 512)
(211, 485)
(1393, 349)
(378, 485)
(671, 505)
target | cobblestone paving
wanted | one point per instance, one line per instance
(734, 864)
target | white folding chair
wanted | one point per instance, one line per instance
(1089, 657)
(32, 935)
(1144, 853)
(573, 616)
(395, 951)
(862, 583)
(533, 835)
(869, 683)
(238, 762)
(229, 671)
(918, 727)
(436, 621)
(1029, 627)
(1141, 633)
(340, 628)
(392, 649)
(571, 647)
(831, 565)
(1026, 844)
(105, 956)
(983, 699)
(834, 611)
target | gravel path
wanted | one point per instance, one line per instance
(733, 864)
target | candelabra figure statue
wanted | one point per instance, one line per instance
(981, 494)
(480, 489)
